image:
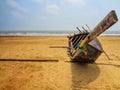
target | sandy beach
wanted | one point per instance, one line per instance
(42, 63)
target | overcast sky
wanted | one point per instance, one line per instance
(55, 14)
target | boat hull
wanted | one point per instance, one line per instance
(89, 53)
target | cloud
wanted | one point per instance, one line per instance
(37, 1)
(16, 14)
(15, 4)
(72, 1)
(81, 2)
(52, 9)
(43, 18)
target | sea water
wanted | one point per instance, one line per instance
(51, 33)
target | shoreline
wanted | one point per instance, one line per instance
(62, 36)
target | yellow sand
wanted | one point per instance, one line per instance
(57, 73)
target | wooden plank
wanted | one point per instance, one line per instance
(106, 23)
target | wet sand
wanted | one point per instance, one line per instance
(42, 63)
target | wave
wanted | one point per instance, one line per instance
(33, 34)
(117, 35)
(45, 34)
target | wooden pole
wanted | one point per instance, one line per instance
(106, 23)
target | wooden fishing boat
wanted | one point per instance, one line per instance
(84, 46)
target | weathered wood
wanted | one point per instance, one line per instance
(106, 23)
(78, 29)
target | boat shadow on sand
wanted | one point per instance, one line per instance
(83, 74)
